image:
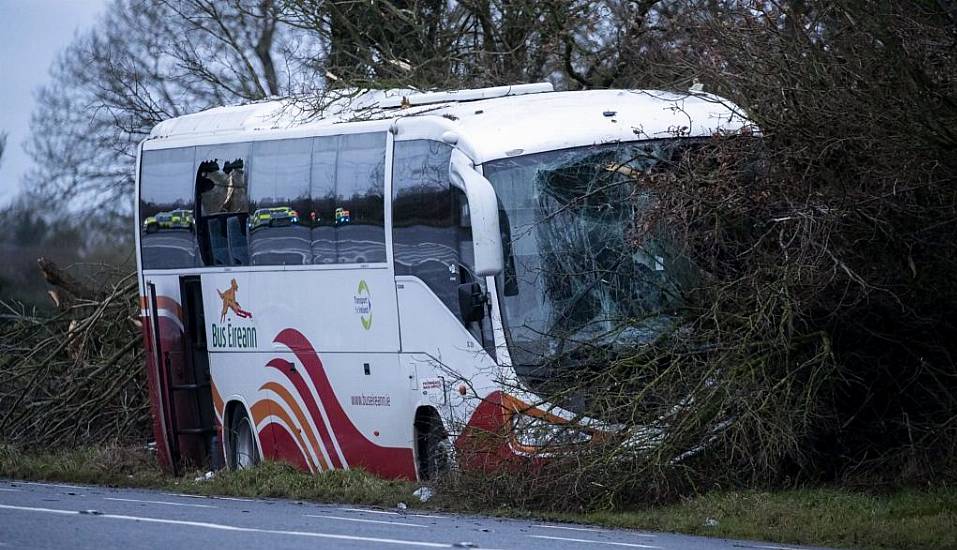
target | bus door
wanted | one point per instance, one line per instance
(158, 365)
(193, 426)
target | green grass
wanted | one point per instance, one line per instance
(905, 519)
(909, 518)
(126, 467)
(273, 479)
(111, 465)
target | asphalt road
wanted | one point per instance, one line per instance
(49, 515)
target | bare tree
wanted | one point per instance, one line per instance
(428, 43)
(819, 335)
(145, 62)
(817, 344)
(3, 144)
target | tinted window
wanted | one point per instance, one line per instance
(281, 217)
(348, 183)
(432, 232)
(359, 214)
(223, 203)
(166, 209)
(324, 154)
(424, 234)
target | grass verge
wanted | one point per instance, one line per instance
(906, 519)
(903, 519)
(134, 467)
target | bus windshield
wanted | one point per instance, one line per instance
(582, 268)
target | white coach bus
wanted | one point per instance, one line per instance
(373, 285)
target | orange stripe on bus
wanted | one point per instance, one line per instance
(515, 405)
(291, 401)
(217, 400)
(164, 302)
(259, 411)
(265, 407)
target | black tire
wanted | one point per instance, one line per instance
(243, 452)
(435, 452)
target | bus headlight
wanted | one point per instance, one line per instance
(532, 431)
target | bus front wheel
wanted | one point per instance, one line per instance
(435, 452)
(243, 452)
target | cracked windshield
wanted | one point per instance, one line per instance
(581, 264)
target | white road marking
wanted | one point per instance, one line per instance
(370, 511)
(33, 509)
(50, 484)
(591, 529)
(628, 544)
(184, 495)
(9, 489)
(364, 511)
(568, 528)
(366, 520)
(160, 502)
(224, 527)
(770, 547)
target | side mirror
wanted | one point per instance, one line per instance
(483, 211)
(472, 301)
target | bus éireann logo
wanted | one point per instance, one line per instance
(227, 335)
(229, 302)
(362, 302)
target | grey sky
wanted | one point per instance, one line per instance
(32, 32)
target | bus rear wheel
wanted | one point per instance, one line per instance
(243, 452)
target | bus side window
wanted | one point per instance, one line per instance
(348, 203)
(359, 215)
(423, 233)
(168, 233)
(325, 151)
(281, 219)
(431, 229)
(222, 204)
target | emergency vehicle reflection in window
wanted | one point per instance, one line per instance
(281, 217)
(166, 209)
(223, 204)
(359, 216)
(348, 184)
(323, 193)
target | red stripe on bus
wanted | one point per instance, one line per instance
(396, 462)
(283, 366)
(283, 447)
(290, 401)
(273, 408)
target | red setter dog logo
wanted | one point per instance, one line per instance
(229, 302)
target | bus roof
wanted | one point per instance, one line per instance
(493, 122)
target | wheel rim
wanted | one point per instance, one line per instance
(245, 455)
(441, 457)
